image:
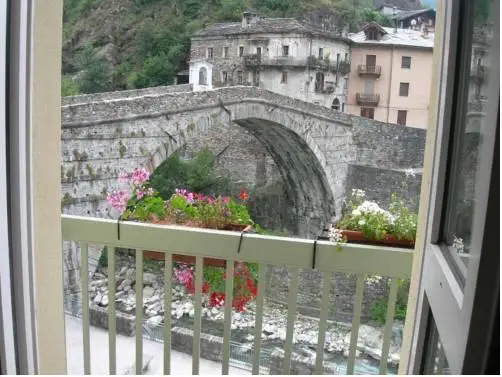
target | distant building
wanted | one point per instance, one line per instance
(417, 18)
(387, 7)
(286, 56)
(390, 75)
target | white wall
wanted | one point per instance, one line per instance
(194, 75)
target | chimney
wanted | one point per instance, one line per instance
(249, 17)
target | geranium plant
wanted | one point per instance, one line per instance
(138, 201)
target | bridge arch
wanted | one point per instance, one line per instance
(305, 140)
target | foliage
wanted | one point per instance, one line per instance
(376, 223)
(378, 309)
(244, 283)
(68, 87)
(195, 175)
(140, 202)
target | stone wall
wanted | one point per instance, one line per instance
(379, 184)
(108, 96)
(388, 146)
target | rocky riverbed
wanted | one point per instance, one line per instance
(273, 334)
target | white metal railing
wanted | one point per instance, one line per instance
(294, 253)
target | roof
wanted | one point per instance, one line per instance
(399, 4)
(265, 25)
(411, 13)
(403, 37)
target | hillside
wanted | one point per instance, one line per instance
(127, 44)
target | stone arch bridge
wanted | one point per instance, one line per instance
(319, 153)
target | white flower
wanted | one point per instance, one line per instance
(335, 235)
(356, 212)
(362, 222)
(458, 244)
(373, 209)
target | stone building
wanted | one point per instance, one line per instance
(283, 55)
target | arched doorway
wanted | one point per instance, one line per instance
(336, 104)
(203, 76)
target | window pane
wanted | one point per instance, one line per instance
(403, 89)
(470, 135)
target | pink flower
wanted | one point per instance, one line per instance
(183, 275)
(118, 200)
(139, 176)
(226, 199)
(139, 193)
(190, 198)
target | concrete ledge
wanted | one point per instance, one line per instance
(211, 347)
(300, 365)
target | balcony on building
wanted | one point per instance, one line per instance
(312, 62)
(365, 99)
(369, 70)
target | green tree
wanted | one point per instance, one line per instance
(68, 87)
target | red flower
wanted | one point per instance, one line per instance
(243, 195)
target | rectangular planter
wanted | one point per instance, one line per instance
(354, 236)
(190, 259)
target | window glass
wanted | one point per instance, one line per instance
(403, 89)
(284, 78)
(285, 50)
(401, 117)
(241, 51)
(470, 135)
(406, 62)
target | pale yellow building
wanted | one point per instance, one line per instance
(390, 74)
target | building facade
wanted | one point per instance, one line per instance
(390, 75)
(282, 55)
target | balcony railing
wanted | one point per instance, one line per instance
(255, 60)
(364, 99)
(373, 70)
(357, 259)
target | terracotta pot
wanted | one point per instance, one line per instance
(355, 236)
(189, 259)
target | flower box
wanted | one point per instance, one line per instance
(355, 236)
(190, 259)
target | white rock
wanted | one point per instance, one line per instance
(236, 317)
(148, 292)
(268, 328)
(233, 326)
(156, 320)
(98, 298)
(179, 313)
(123, 270)
(191, 313)
(104, 300)
(131, 274)
(149, 278)
(249, 337)
(214, 311)
(187, 307)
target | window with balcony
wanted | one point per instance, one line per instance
(404, 88)
(285, 50)
(368, 112)
(284, 77)
(241, 51)
(406, 62)
(210, 53)
(401, 117)
(225, 52)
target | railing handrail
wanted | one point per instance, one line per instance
(294, 252)
(368, 96)
(369, 68)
